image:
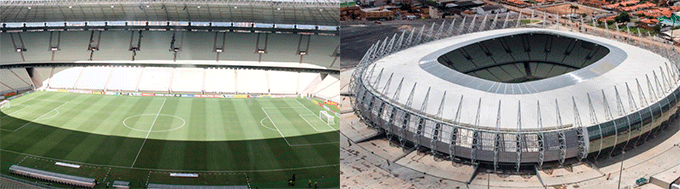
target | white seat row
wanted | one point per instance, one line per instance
(65, 79)
(251, 81)
(329, 88)
(220, 81)
(155, 79)
(93, 78)
(124, 79)
(190, 80)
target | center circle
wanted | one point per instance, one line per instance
(149, 122)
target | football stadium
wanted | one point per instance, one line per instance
(169, 94)
(529, 95)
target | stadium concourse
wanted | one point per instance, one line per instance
(168, 94)
(461, 106)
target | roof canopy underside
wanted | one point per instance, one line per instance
(274, 12)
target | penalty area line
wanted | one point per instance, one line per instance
(36, 119)
(310, 111)
(310, 124)
(284, 137)
(24, 107)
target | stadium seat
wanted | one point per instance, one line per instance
(282, 82)
(124, 79)
(93, 78)
(65, 79)
(251, 81)
(188, 80)
(155, 79)
(221, 81)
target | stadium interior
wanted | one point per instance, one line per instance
(524, 57)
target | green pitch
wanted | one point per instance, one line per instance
(259, 142)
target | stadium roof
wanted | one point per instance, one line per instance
(615, 73)
(301, 12)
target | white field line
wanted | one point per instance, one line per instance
(149, 132)
(310, 111)
(264, 125)
(310, 124)
(55, 115)
(107, 175)
(25, 106)
(48, 100)
(41, 116)
(284, 137)
(173, 170)
(31, 98)
(21, 103)
(277, 128)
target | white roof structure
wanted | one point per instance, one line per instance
(616, 76)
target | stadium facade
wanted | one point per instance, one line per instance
(510, 97)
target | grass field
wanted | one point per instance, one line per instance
(258, 142)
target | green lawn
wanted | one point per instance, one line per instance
(260, 142)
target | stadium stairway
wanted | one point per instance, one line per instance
(23, 76)
(313, 85)
(172, 76)
(78, 78)
(108, 79)
(139, 80)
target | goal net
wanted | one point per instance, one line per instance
(324, 116)
(4, 104)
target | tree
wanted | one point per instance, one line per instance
(623, 17)
(657, 28)
(610, 22)
(572, 8)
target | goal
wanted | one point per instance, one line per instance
(4, 104)
(324, 116)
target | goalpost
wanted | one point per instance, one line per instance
(4, 104)
(324, 116)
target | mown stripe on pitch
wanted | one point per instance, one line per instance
(33, 131)
(170, 155)
(98, 114)
(64, 141)
(164, 122)
(285, 157)
(220, 157)
(321, 152)
(197, 117)
(267, 148)
(142, 106)
(195, 155)
(330, 136)
(216, 122)
(77, 112)
(123, 150)
(115, 119)
(38, 108)
(245, 121)
(86, 150)
(166, 154)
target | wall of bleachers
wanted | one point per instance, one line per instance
(189, 80)
(14, 80)
(71, 46)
